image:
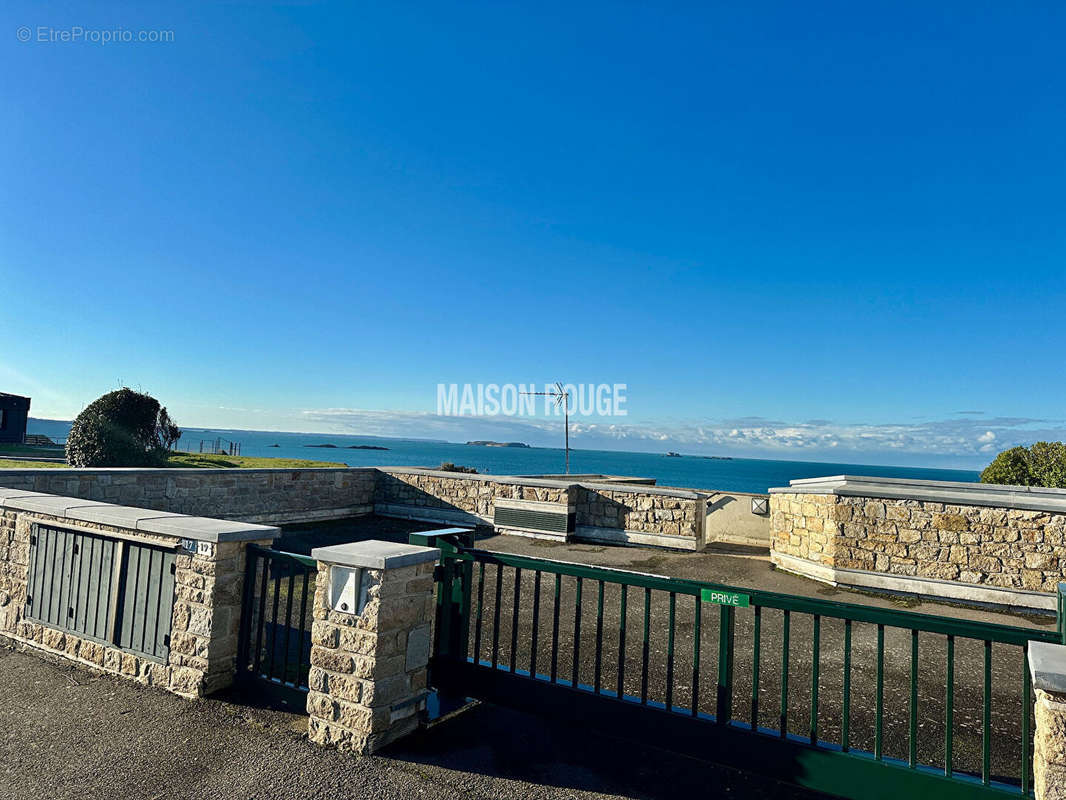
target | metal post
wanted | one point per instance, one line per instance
(726, 629)
(1062, 612)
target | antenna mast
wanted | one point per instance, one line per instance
(562, 397)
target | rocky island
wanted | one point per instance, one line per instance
(349, 447)
(481, 443)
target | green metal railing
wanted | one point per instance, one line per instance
(470, 633)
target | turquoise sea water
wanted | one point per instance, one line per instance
(736, 474)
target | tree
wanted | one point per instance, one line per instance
(1041, 464)
(169, 432)
(123, 428)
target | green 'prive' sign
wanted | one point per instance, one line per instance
(725, 598)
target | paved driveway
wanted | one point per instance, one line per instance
(65, 733)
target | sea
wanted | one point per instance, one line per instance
(690, 471)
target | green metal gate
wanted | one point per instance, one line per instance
(832, 696)
(274, 645)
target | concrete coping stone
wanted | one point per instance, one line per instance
(543, 483)
(1027, 498)
(375, 554)
(164, 523)
(467, 476)
(659, 491)
(1047, 666)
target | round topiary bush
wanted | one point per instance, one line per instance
(121, 429)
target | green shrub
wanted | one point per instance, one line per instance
(1041, 464)
(448, 466)
(122, 429)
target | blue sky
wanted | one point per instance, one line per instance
(797, 230)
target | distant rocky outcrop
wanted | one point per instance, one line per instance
(483, 443)
(349, 447)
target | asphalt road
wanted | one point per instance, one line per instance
(69, 734)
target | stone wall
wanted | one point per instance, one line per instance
(268, 496)
(207, 594)
(640, 515)
(615, 512)
(457, 498)
(964, 541)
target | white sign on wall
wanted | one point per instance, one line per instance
(202, 549)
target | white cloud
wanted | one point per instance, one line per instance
(958, 439)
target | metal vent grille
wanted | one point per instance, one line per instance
(527, 519)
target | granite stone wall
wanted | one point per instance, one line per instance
(968, 535)
(617, 513)
(1004, 547)
(641, 515)
(408, 492)
(267, 496)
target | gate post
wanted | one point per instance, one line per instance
(1047, 666)
(371, 639)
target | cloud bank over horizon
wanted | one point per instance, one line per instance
(967, 438)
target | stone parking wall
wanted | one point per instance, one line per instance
(266, 496)
(972, 542)
(662, 512)
(804, 526)
(1004, 547)
(204, 622)
(617, 513)
(474, 495)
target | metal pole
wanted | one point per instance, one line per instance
(566, 418)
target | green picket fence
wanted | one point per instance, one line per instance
(847, 698)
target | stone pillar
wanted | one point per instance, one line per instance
(1047, 664)
(369, 661)
(209, 586)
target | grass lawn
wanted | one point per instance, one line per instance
(12, 449)
(192, 460)
(14, 463)
(247, 462)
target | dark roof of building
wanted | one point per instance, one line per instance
(16, 396)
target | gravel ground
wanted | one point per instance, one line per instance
(70, 734)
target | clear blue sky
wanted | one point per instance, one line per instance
(781, 225)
